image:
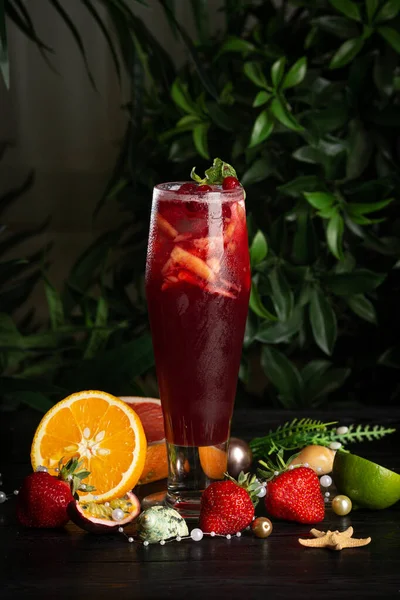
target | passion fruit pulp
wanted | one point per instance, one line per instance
(98, 518)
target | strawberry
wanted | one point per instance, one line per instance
(295, 495)
(230, 183)
(43, 499)
(227, 506)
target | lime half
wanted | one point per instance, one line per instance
(367, 484)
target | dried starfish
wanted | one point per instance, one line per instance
(335, 540)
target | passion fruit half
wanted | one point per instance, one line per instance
(101, 518)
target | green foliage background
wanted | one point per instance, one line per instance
(303, 99)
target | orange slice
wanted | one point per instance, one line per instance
(214, 461)
(104, 432)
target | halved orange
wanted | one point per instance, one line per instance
(101, 430)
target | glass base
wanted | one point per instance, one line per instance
(191, 470)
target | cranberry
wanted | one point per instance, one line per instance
(188, 188)
(204, 188)
(230, 183)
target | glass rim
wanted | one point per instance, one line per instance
(168, 189)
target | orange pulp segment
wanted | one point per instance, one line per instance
(101, 430)
(214, 461)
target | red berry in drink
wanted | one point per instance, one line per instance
(188, 188)
(204, 188)
(230, 183)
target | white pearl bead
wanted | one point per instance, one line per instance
(162, 542)
(212, 534)
(327, 494)
(238, 534)
(16, 492)
(69, 477)
(228, 537)
(306, 465)
(117, 514)
(276, 473)
(145, 543)
(342, 430)
(196, 534)
(178, 538)
(335, 445)
(105, 503)
(130, 540)
(325, 480)
(3, 497)
(41, 469)
(120, 529)
(261, 492)
(326, 499)
(291, 467)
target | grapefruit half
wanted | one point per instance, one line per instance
(150, 413)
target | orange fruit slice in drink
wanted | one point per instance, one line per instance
(101, 430)
(150, 413)
(214, 461)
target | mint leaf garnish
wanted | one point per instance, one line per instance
(215, 174)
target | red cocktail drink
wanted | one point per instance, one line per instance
(197, 286)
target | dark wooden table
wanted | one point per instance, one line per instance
(74, 564)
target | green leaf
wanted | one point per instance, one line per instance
(334, 235)
(389, 11)
(9, 334)
(320, 200)
(258, 248)
(280, 332)
(261, 98)
(359, 152)
(220, 117)
(253, 70)
(56, 308)
(372, 7)
(103, 28)
(283, 115)
(307, 154)
(200, 139)
(35, 400)
(390, 358)
(4, 63)
(364, 208)
(75, 34)
(391, 36)
(277, 71)
(296, 73)
(257, 306)
(201, 19)
(326, 383)
(99, 336)
(197, 59)
(305, 242)
(338, 26)
(181, 97)
(348, 8)
(258, 171)
(314, 369)
(362, 307)
(358, 281)
(262, 129)
(300, 185)
(283, 374)
(235, 44)
(347, 51)
(282, 295)
(323, 321)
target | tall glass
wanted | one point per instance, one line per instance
(197, 287)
